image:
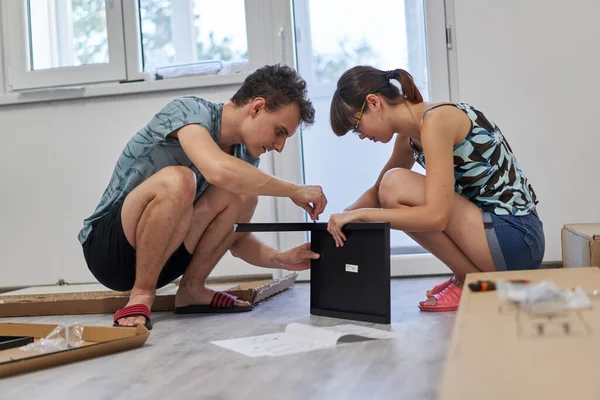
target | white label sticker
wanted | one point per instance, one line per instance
(351, 268)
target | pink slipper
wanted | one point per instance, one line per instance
(439, 287)
(447, 300)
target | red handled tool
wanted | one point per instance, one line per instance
(486, 286)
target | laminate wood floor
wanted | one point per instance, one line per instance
(179, 362)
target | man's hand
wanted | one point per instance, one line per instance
(310, 198)
(296, 259)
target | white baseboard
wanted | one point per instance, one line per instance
(417, 264)
(406, 265)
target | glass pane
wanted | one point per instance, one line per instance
(66, 33)
(209, 34)
(386, 34)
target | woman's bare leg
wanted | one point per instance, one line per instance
(462, 246)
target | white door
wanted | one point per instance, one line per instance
(331, 37)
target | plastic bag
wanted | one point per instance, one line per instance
(63, 337)
(542, 297)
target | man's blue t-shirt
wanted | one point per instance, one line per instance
(151, 150)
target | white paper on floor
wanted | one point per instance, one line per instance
(300, 338)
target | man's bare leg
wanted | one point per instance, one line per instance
(156, 216)
(211, 235)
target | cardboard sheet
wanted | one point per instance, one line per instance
(51, 301)
(498, 351)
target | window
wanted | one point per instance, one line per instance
(176, 32)
(67, 33)
(388, 34)
(62, 42)
(56, 43)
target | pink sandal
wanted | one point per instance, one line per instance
(439, 287)
(447, 300)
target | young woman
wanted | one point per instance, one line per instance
(474, 209)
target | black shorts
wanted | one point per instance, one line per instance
(111, 258)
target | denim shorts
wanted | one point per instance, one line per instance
(516, 242)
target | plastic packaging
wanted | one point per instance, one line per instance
(63, 337)
(194, 69)
(542, 297)
(235, 67)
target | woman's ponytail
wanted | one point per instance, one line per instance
(409, 89)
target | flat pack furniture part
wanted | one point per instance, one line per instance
(350, 282)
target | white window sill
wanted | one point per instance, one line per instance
(112, 89)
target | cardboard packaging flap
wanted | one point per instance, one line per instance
(498, 351)
(257, 291)
(98, 340)
(588, 231)
(580, 245)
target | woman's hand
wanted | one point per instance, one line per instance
(337, 222)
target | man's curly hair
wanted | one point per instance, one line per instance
(279, 85)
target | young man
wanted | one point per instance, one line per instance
(181, 184)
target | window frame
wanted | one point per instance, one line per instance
(20, 76)
(264, 18)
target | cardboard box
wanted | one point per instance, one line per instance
(498, 351)
(255, 292)
(98, 341)
(107, 302)
(581, 245)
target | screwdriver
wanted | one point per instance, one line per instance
(486, 286)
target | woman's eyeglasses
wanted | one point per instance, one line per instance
(356, 130)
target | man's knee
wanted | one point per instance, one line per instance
(178, 183)
(397, 187)
(218, 199)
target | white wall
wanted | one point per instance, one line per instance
(533, 66)
(55, 161)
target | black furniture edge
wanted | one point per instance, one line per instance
(302, 226)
